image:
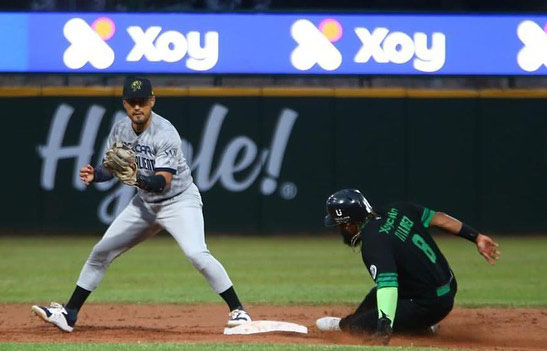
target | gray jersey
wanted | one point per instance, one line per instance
(158, 148)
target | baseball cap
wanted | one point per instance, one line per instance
(137, 87)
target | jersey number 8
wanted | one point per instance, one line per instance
(422, 245)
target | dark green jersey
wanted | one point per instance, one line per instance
(399, 252)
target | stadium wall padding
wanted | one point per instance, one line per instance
(266, 159)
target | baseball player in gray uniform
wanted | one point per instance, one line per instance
(166, 199)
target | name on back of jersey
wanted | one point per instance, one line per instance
(403, 227)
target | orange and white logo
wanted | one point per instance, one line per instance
(87, 43)
(315, 45)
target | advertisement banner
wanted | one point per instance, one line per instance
(346, 44)
(267, 164)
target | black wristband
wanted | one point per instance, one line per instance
(101, 174)
(154, 183)
(468, 233)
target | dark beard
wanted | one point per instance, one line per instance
(347, 236)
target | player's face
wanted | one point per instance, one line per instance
(139, 110)
(349, 233)
(351, 228)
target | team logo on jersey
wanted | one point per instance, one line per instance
(315, 44)
(136, 85)
(373, 270)
(87, 43)
(534, 53)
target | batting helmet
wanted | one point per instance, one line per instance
(347, 206)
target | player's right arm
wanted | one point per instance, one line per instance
(487, 247)
(88, 174)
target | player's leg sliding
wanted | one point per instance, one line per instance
(344, 324)
(434, 329)
(415, 317)
(328, 324)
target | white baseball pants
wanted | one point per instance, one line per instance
(181, 216)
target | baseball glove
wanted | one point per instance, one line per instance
(121, 161)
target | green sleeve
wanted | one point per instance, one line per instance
(427, 216)
(387, 302)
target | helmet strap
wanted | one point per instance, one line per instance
(354, 239)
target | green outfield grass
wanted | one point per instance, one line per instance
(272, 270)
(312, 270)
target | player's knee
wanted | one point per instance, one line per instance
(100, 256)
(200, 259)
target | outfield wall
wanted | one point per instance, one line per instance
(266, 159)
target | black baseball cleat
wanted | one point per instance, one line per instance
(57, 315)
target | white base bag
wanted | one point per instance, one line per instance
(257, 327)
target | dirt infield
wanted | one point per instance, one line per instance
(480, 329)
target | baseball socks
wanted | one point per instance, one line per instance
(80, 295)
(75, 303)
(231, 299)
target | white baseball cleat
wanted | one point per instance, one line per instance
(56, 315)
(328, 324)
(434, 329)
(238, 317)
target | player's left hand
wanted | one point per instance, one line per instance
(383, 331)
(488, 248)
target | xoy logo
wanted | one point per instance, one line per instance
(172, 46)
(88, 43)
(398, 47)
(315, 46)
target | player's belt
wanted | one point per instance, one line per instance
(445, 289)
